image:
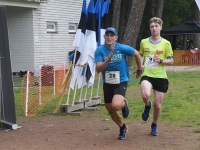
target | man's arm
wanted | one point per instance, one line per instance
(138, 60)
(168, 61)
(100, 66)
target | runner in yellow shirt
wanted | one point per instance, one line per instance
(156, 52)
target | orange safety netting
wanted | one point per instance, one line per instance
(38, 91)
(186, 57)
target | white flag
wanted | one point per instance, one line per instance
(198, 3)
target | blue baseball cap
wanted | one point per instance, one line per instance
(112, 30)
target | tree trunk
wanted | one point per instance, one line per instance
(116, 14)
(196, 17)
(133, 24)
(159, 8)
(121, 22)
(153, 7)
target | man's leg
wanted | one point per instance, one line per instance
(158, 97)
(125, 110)
(116, 105)
(146, 92)
(113, 108)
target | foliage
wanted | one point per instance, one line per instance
(175, 12)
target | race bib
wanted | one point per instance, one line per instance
(112, 77)
(150, 62)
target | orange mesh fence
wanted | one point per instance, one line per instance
(186, 57)
(65, 85)
(38, 91)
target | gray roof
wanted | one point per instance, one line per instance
(189, 27)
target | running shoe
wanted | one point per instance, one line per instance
(122, 133)
(154, 131)
(145, 114)
(125, 110)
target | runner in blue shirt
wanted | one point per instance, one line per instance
(110, 59)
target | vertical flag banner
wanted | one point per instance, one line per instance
(104, 14)
(98, 8)
(90, 43)
(80, 33)
(79, 43)
(89, 35)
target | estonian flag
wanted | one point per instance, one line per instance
(98, 8)
(79, 43)
(88, 36)
(87, 57)
(104, 14)
(96, 25)
(101, 15)
(79, 40)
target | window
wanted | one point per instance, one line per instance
(72, 27)
(51, 27)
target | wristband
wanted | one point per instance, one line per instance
(161, 61)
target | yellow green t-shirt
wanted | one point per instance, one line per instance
(148, 50)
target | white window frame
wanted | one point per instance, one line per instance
(53, 25)
(73, 25)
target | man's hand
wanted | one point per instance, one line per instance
(157, 58)
(138, 72)
(110, 55)
(102, 65)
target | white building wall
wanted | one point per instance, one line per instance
(30, 44)
(20, 30)
(54, 47)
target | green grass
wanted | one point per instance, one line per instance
(182, 101)
(181, 104)
(17, 81)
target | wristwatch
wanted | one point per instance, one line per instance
(161, 61)
(141, 69)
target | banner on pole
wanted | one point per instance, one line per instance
(89, 35)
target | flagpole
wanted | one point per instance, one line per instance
(91, 92)
(79, 76)
(83, 85)
(73, 66)
(86, 88)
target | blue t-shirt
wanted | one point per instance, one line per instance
(118, 61)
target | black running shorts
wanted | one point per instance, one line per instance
(112, 89)
(159, 84)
